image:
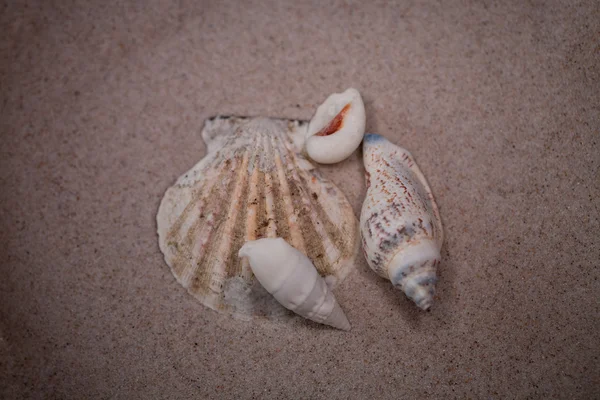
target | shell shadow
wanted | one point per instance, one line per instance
(392, 297)
(370, 110)
(445, 297)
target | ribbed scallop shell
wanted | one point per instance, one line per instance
(253, 183)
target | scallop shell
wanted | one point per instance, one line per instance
(253, 183)
(400, 223)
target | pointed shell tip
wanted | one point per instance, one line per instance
(337, 318)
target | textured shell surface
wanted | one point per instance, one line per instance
(293, 281)
(253, 183)
(400, 223)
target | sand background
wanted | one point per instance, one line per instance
(101, 107)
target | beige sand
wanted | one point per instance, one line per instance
(101, 107)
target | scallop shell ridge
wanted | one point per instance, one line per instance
(253, 183)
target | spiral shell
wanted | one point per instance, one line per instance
(252, 184)
(294, 281)
(400, 224)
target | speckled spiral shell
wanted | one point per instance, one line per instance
(400, 224)
(252, 184)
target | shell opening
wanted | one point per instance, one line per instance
(337, 128)
(336, 123)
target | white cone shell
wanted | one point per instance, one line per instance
(337, 128)
(293, 280)
(400, 225)
(252, 183)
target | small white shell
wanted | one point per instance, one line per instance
(294, 281)
(400, 224)
(337, 128)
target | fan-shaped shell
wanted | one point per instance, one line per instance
(253, 183)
